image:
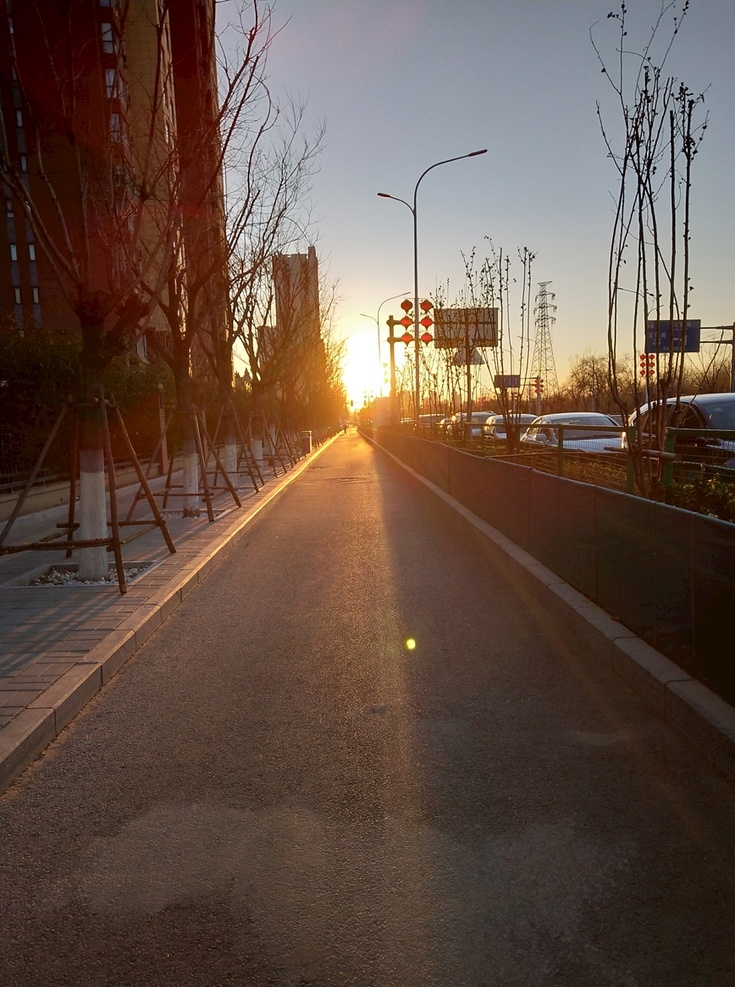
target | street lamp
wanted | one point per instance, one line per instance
(413, 210)
(376, 320)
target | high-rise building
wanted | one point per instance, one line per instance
(296, 285)
(296, 337)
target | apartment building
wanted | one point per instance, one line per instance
(109, 130)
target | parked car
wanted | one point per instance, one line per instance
(456, 429)
(496, 426)
(696, 411)
(544, 432)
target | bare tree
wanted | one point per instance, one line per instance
(268, 218)
(84, 195)
(588, 383)
(491, 287)
(195, 304)
(649, 265)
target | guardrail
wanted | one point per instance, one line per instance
(615, 471)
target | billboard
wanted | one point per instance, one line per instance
(455, 328)
(664, 343)
(460, 358)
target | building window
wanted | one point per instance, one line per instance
(19, 118)
(108, 39)
(13, 251)
(35, 297)
(115, 128)
(31, 251)
(9, 211)
(16, 296)
(23, 163)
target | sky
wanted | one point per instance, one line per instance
(401, 84)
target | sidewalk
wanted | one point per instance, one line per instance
(59, 645)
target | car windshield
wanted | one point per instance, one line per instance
(587, 432)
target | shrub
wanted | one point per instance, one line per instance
(710, 495)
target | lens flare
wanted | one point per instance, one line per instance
(410, 644)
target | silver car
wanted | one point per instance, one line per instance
(598, 433)
(496, 427)
(457, 429)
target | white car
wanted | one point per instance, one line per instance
(598, 433)
(496, 427)
(457, 428)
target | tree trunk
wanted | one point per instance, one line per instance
(187, 423)
(190, 465)
(93, 562)
(229, 455)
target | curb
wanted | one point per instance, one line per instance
(35, 727)
(686, 705)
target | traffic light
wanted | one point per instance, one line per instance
(538, 386)
(647, 362)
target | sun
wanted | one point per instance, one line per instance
(363, 372)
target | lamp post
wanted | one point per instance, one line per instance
(376, 320)
(414, 213)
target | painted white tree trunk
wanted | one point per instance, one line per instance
(229, 458)
(190, 482)
(257, 446)
(93, 562)
(272, 433)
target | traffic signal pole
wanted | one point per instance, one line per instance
(392, 340)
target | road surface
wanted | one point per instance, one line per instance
(367, 751)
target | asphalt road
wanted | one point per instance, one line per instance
(278, 789)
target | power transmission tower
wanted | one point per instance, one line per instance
(543, 364)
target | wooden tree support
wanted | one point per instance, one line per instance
(273, 444)
(65, 540)
(205, 488)
(244, 453)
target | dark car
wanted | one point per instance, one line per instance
(695, 411)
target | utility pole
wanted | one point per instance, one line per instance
(392, 340)
(543, 363)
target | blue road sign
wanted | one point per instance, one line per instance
(660, 340)
(507, 381)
